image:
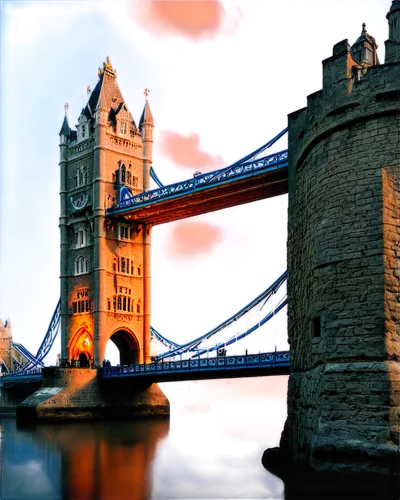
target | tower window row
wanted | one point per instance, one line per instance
(123, 303)
(81, 306)
(81, 265)
(124, 175)
(81, 177)
(125, 266)
(125, 232)
(81, 238)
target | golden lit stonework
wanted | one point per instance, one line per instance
(108, 69)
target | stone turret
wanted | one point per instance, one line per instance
(393, 43)
(343, 260)
(146, 126)
(364, 49)
(6, 362)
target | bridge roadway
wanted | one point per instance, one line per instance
(251, 365)
(251, 181)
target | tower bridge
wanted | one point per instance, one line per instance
(342, 174)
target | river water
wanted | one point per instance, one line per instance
(210, 448)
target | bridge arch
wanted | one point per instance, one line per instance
(127, 344)
(80, 346)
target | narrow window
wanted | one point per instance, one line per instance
(122, 264)
(114, 302)
(119, 302)
(132, 268)
(124, 304)
(132, 306)
(138, 307)
(139, 271)
(114, 266)
(123, 173)
(129, 304)
(108, 304)
(128, 177)
(127, 266)
(74, 309)
(87, 306)
(316, 327)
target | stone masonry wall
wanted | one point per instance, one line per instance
(343, 274)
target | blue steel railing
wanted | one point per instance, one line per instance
(21, 374)
(193, 366)
(202, 181)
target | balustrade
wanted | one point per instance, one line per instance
(250, 361)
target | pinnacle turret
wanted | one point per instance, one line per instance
(147, 117)
(65, 128)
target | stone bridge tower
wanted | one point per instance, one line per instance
(343, 262)
(105, 263)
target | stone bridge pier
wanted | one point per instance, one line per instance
(343, 265)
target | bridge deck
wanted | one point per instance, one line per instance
(255, 365)
(199, 199)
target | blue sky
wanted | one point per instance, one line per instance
(231, 84)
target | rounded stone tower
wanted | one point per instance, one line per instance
(343, 264)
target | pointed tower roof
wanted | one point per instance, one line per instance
(395, 6)
(65, 129)
(147, 116)
(365, 57)
(107, 93)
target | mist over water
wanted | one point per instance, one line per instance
(210, 448)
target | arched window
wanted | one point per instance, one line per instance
(119, 302)
(123, 173)
(81, 265)
(81, 238)
(138, 307)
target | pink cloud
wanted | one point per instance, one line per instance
(185, 153)
(191, 240)
(196, 21)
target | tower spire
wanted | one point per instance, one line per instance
(65, 128)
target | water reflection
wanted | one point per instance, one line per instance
(210, 448)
